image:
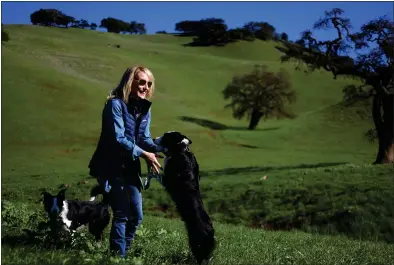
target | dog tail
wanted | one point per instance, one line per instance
(97, 190)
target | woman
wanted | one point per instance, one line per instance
(125, 136)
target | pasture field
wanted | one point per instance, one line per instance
(298, 191)
(163, 241)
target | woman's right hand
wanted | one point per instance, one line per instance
(152, 162)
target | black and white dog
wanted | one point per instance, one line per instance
(181, 179)
(68, 215)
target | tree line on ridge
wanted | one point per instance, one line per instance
(206, 32)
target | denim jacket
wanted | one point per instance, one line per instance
(125, 133)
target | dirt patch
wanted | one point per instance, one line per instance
(213, 134)
(69, 151)
(50, 86)
(241, 145)
(166, 209)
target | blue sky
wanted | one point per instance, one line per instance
(289, 17)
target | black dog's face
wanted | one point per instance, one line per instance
(173, 141)
(53, 204)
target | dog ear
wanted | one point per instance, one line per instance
(61, 195)
(46, 194)
(185, 141)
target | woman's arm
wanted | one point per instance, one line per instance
(146, 141)
(114, 121)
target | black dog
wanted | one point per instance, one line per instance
(68, 215)
(182, 181)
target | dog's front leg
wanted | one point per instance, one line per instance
(72, 234)
(43, 225)
(71, 229)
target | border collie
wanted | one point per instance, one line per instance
(181, 179)
(68, 215)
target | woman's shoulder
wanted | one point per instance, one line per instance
(113, 100)
(114, 104)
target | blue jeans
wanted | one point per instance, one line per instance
(126, 204)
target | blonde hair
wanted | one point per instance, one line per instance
(125, 86)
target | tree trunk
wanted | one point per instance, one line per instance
(383, 116)
(256, 116)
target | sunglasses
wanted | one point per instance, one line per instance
(142, 82)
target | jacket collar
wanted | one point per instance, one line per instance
(142, 105)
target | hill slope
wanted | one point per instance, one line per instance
(55, 82)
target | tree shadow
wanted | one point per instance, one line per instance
(240, 170)
(203, 44)
(219, 126)
(295, 52)
(197, 43)
(247, 146)
(175, 34)
(292, 51)
(281, 49)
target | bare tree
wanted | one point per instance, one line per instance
(374, 46)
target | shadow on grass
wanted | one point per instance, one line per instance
(282, 49)
(219, 126)
(180, 258)
(196, 42)
(202, 44)
(33, 239)
(240, 170)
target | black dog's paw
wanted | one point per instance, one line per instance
(43, 225)
(207, 261)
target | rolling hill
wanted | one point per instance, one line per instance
(55, 82)
(310, 169)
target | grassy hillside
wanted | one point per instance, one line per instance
(61, 77)
(55, 81)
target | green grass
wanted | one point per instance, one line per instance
(55, 81)
(163, 241)
(346, 199)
